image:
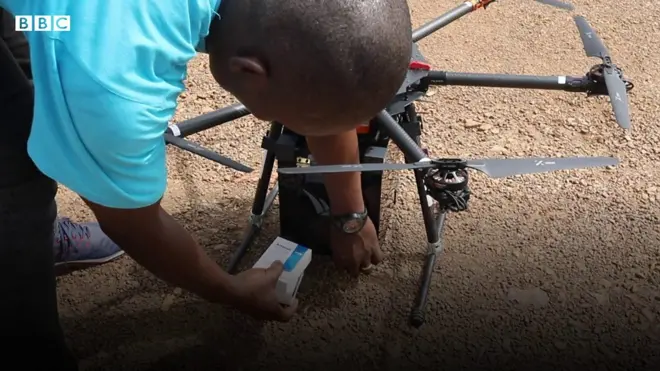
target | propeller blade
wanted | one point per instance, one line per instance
(593, 45)
(618, 96)
(501, 168)
(495, 168)
(557, 4)
(352, 168)
(203, 152)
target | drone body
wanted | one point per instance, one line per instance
(303, 196)
(304, 204)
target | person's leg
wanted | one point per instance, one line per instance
(30, 328)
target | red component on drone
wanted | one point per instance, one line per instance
(417, 65)
(363, 128)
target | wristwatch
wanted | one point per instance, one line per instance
(350, 223)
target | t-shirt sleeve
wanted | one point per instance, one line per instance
(106, 147)
(106, 90)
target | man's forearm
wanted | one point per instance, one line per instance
(344, 189)
(162, 246)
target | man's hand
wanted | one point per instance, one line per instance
(352, 252)
(355, 252)
(254, 293)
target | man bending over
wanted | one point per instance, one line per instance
(105, 91)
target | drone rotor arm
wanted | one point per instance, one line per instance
(493, 80)
(208, 120)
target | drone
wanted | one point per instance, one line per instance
(442, 184)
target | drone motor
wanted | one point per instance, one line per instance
(598, 86)
(449, 188)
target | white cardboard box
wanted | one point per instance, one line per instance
(295, 258)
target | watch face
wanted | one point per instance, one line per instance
(353, 226)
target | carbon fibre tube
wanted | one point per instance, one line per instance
(443, 20)
(399, 136)
(208, 120)
(492, 80)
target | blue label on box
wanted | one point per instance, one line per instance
(294, 258)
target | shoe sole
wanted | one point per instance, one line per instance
(90, 262)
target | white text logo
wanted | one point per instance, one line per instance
(43, 23)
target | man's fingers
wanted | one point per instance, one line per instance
(377, 255)
(275, 270)
(287, 312)
(361, 259)
(366, 262)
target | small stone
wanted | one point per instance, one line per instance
(471, 124)
(220, 247)
(167, 303)
(506, 344)
(577, 324)
(561, 297)
(529, 297)
(485, 127)
(601, 298)
(650, 316)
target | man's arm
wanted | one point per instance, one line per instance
(349, 251)
(157, 242)
(110, 150)
(344, 189)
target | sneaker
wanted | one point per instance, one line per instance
(81, 245)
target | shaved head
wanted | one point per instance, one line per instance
(317, 66)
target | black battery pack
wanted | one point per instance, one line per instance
(304, 206)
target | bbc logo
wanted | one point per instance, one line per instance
(43, 23)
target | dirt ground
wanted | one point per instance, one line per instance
(550, 271)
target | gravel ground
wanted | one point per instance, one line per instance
(552, 271)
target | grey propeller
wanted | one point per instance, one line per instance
(501, 168)
(495, 168)
(557, 3)
(616, 87)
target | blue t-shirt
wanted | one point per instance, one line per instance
(106, 90)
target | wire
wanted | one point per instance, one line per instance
(459, 198)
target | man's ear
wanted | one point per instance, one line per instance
(250, 70)
(247, 65)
